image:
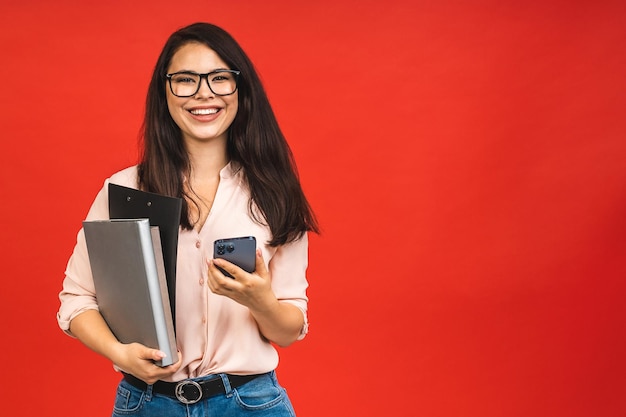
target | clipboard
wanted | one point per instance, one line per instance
(162, 211)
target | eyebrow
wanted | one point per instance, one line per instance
(195, 72)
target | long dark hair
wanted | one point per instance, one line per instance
(255, 142)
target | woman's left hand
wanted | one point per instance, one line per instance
(252, 290)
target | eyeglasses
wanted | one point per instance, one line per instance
(187, 83)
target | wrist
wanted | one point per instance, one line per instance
(266, 305)
(115, 353)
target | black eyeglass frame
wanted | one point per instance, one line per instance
(205, 76)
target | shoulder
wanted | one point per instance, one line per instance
(100, 206)
(126, 177)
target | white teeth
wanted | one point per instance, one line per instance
(203, 111)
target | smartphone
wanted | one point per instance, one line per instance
(240, 251)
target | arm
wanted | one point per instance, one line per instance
(136, 359)
(79, 316)
(278, 321)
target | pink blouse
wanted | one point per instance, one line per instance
(214, 333)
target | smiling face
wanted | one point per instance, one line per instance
(204, 116)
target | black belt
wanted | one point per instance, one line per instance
(189, 391)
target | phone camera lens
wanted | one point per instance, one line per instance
(221, 248)
(230, 247)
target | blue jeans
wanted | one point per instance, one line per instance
(261, 397)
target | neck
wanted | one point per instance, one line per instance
(207, 159)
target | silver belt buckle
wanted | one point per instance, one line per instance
(180, 392)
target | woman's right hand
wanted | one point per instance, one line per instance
(138, 360)
(133, 358)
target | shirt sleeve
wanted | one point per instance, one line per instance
(78, 293)
(288, 268)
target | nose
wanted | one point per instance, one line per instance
(204, 90)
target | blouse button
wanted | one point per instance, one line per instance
(201, 281)
(198, 244)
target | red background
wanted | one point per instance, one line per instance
(466, 161)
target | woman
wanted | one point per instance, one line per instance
(210, 137)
